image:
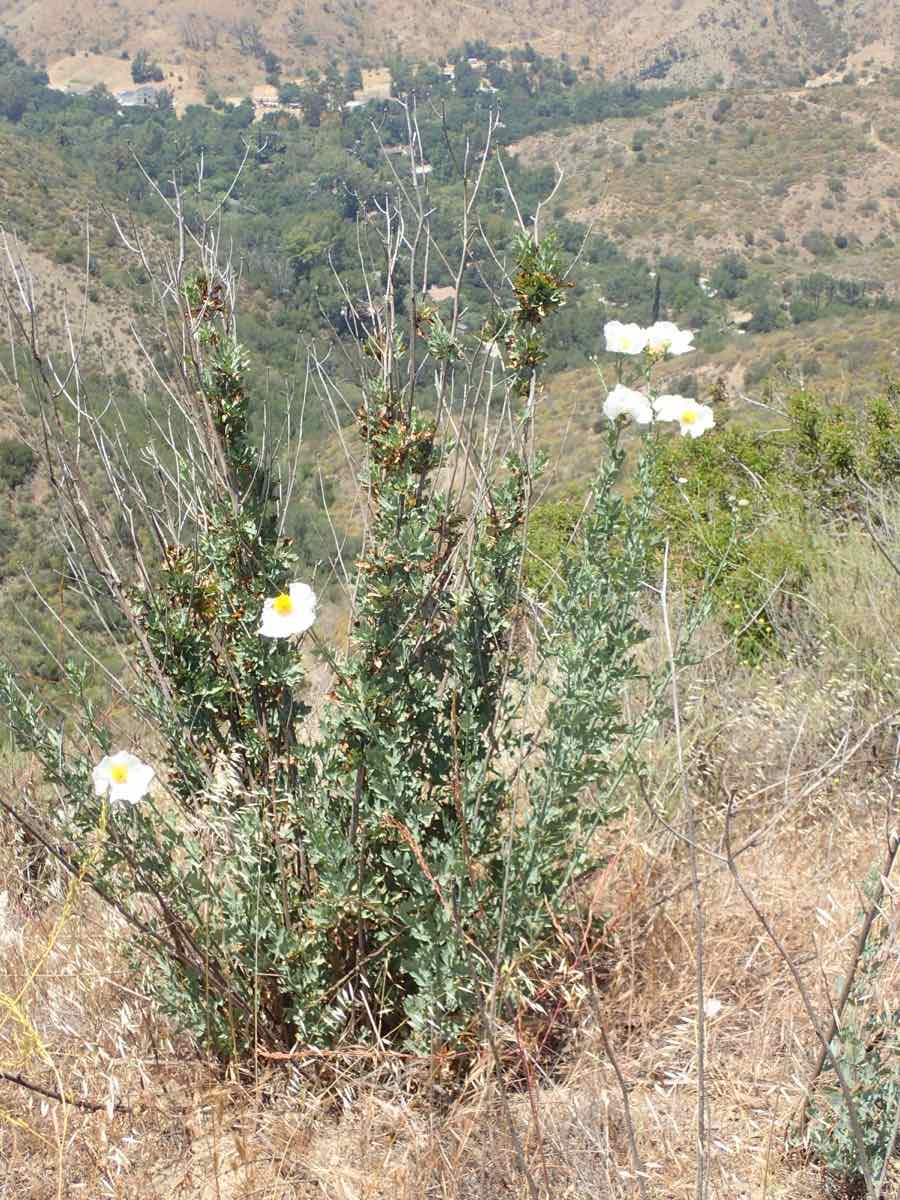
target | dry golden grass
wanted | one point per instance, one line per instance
(191, 1135)
(804, 749)
(80, 72)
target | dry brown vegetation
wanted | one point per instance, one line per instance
(773, 168)
(803, 751)
(81, 72)
(695, 38)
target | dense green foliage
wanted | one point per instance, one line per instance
(19, 84)
(314, 174)
(145, 70)
(552, 539)
(742, 510)
(18, 463)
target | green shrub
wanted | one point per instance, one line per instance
(18, 463)
(389, 871)
(817, 243)
(8, 537)
(552, 540)
(741, 509)
(803, 310)
(144, 70)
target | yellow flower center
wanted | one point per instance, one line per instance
(283, 604)
(118, 773)
(689, 417)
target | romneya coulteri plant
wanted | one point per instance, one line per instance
(380, 850)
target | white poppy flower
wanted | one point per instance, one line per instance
(693, 418)
(625, 402)
(666, 338)
(123, 777)
(624, 339)
(712, 1007)
(289, 613)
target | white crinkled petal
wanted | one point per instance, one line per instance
(272, 623)
(705, 420)
(669, 408)
(120, 793)
(140, 778)
(126, 759)
(626, 402)
(305, 620)
(305, 605)
(624, 339)
(643, 411)
(100, 775)
(301, 594)
(666, 337)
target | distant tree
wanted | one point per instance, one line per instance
(309, 240)
(722, 109)
(20, 84)
(766, 316)
(334, 88)
(17, 463)
(728, 275)
(290, 93)
(818, 243)
(818, 288)
(803, 310)
(103, 103)
(466, 79)
(239, 116)
(13, 101)
(314, 104)
(143, 70)
(496, 75)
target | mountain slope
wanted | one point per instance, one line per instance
(763, 174)
(223, 42)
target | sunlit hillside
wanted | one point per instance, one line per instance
(683, 41)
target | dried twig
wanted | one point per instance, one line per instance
(62, 1098)
(865, 1165)
(702, 1128)
(850, 974)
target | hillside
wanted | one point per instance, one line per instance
(762, 174)
(224, 44)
